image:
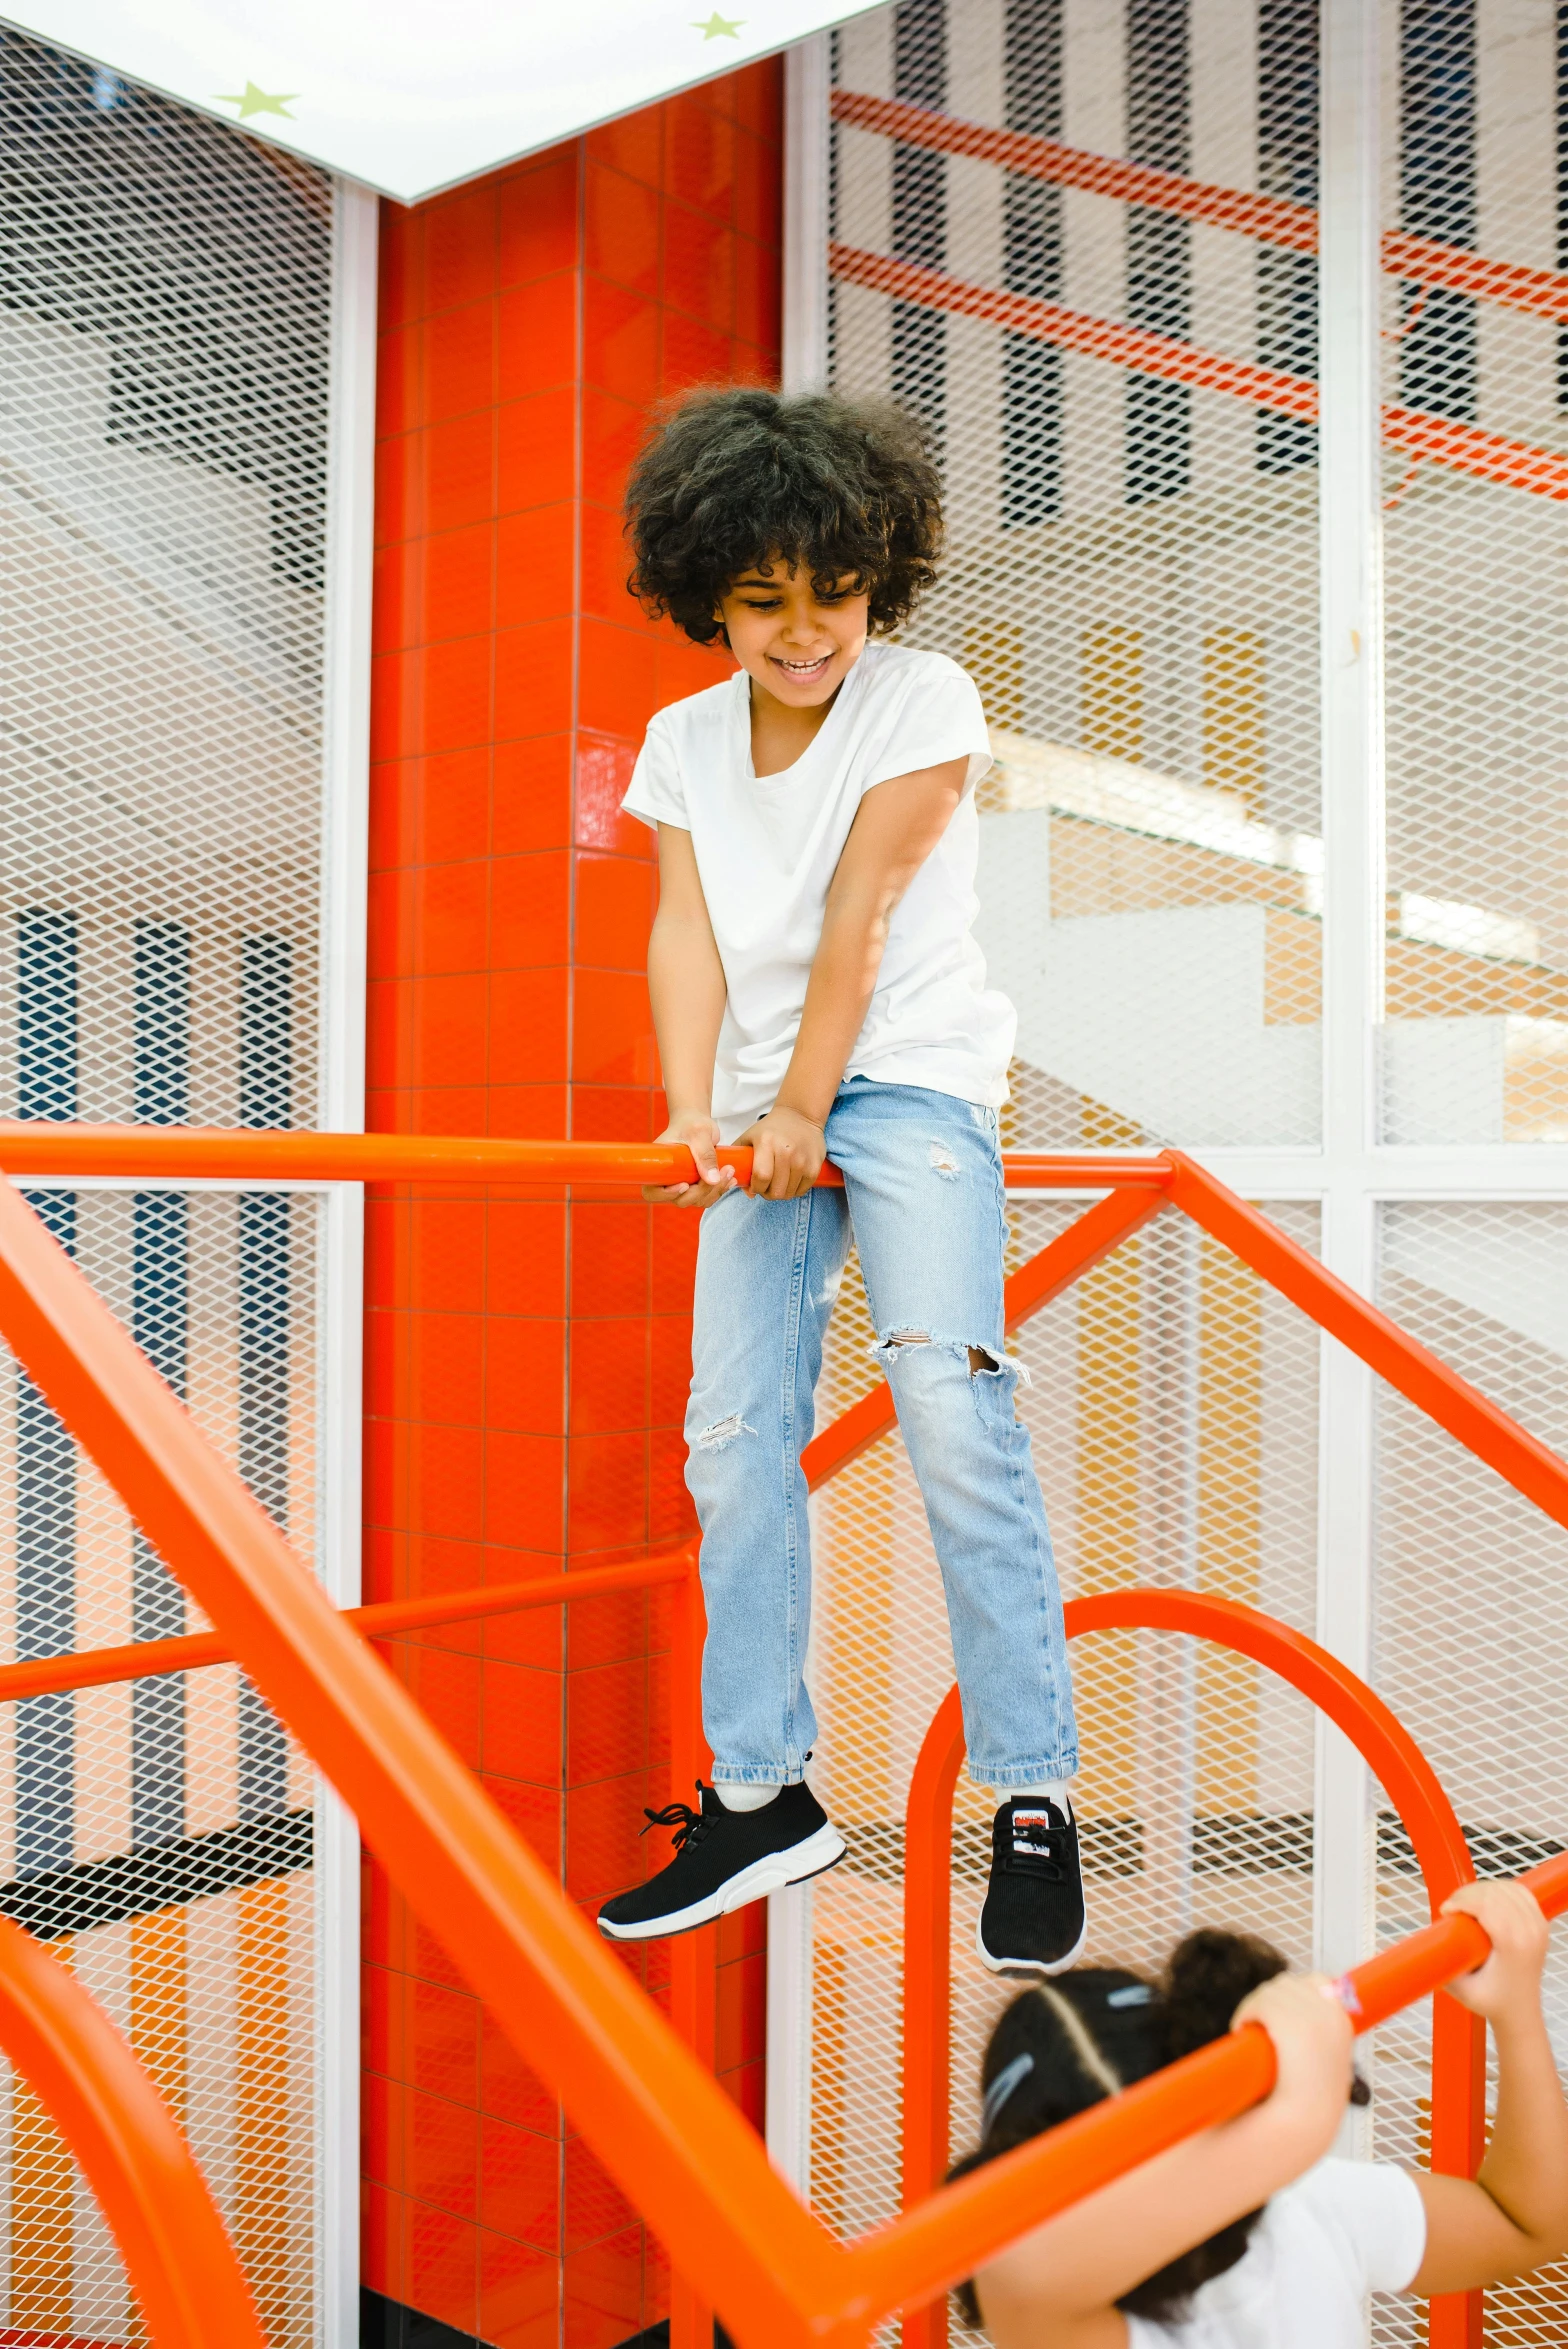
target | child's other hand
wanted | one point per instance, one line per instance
(787, 1154)
(1509, 1983)
(701, 1137)
(1312, 2039)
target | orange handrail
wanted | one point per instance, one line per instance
(177, 2255)
(661, 2126)
(1379, 1736)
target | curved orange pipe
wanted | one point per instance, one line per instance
(178, 2258)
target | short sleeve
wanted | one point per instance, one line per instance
(1377, 2211)
(656, 794)
(939, 717)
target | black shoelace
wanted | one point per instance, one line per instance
(690, 1826)
(1037, 1851)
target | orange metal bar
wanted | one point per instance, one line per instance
(1461, 448)
(149, 1659)
(1273, 220)
(1395, 1758)
(1055, 1268)
(180, 2263)
(1518, 1457)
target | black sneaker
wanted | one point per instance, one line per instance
(723, 1859)
(1033, 1920)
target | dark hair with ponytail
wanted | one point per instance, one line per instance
(1065, 2045)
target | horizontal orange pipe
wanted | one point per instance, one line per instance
(1460, 448)
(149, 1659)
(1071, 1254)
(180, 2263)
(1272, 220)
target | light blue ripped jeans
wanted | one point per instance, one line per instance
(922, 1200)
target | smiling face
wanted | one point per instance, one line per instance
(795, 644)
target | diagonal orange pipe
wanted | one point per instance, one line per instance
(179, 2261)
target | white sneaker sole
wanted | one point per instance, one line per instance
(995, 1965)
(819, 1852)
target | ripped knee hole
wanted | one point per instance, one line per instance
(982, 1361)
(723, 1432)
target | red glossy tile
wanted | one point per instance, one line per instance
(616, 686)
(386, 1474)
(387, 941)
(452, 805)
(443, 2267)
(700, 154)
(609, 1363)
(671, 1516)
(460, 352)
(448, 916)
(603, 773)
(400, 265)
(536, 455)
(459, 582)
(385, 1365)
(520, 2183)
(519, 2294)
(743, 1933)
(382, 2019)
(606, 1851)
(692, 352)
(634, 145)
(607, 1630)
(606, 1719)
(451, 1021)
(748, 2087)
(615, 902)
(530, 902)
(444, 695)
(602, 2299)
(538, 217)
(443, 2154)
(460, 247)
(610, 1257)
(605, 561)
(743, 2004)
(430, 1959)
(522, 1724)
(526, 1271)
(593, 2205)
(759, 188)
(537, 336)
(674, 1241)
(446, 1368)
(381, 2130)
(525, 1376)
(383, 2242)
(457, 460)
(612, 431)
(524, 1492)
(446, 1243)
(533, 679)
(443, 2042)
(758, 96)
(612, 1028)
(699, 265)
(533, 794)
(669, 1369)
(446, 1482)
(758, 293)
(533, 1637)
(448, 1109)
(620, 339)
(608, 1113)
(509, 2089)
(535, 1813)
(527, 1113)
(535, 557)
(621, 229)
(446, 1687)
(399, 381)
(527, 1014)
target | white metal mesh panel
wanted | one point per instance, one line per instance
(1132, 568)
(1476, 1043)
(1173, 1413)
(1472, 1628)
(164, 300)
(158, 1833)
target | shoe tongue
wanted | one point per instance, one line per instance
(1031, 1819)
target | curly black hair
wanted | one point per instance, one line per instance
(731, 480)
(1098, 2028)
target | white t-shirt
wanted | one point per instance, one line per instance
(767, 847)
(1343, 2230)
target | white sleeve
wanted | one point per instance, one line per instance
(656, 794)
(939, 718)
(1377, 2212)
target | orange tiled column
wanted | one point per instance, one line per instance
(527, 1359)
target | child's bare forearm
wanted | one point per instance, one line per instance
(1526, 2167)
(838, 995)
(686, 989)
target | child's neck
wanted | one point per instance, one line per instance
(782, 732)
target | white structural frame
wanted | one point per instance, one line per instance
(345, 818)
(1353, 1175)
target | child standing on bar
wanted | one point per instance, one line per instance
(817, 994)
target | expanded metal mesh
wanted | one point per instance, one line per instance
(164, 295)
(1476, 1043)
(1132, 565)
(1471, 1627)
(1173, 1411)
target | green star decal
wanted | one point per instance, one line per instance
(250, 101)
(718, 27)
